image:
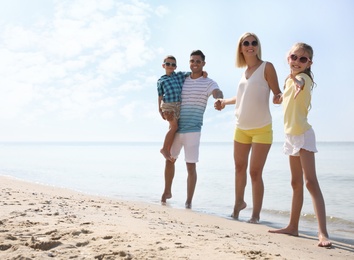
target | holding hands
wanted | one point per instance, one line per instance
(278, 99)
(219, 104)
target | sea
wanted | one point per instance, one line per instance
(133, 171)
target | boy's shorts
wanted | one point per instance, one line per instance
(263, 135)
(190, 142)
(174, 107)
(294, 143)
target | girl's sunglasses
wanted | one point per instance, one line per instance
(247, 43)
(168, 64)
(302, 59)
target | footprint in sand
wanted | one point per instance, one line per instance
(45, 245)
(4, 247)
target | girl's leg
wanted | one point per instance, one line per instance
(258, 158)
(308, 164)
(297, 199)
(241, 152)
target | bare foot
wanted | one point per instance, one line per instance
(165, 197)
(253, 220)
(324, 241)
(188, 205)
(288, 231)
(237, 209)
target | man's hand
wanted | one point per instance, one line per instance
(219, 104)
(168, 115)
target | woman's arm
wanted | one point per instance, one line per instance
(272, 79)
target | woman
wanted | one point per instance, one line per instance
(253, 133)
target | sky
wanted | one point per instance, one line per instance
(86, 70)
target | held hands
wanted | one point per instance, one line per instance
(219, 104)
(278, 99)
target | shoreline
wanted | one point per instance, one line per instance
(47, 222)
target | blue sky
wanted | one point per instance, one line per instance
(87, 70)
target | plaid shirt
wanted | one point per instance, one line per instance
(170, 87)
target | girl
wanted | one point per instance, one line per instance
(300, 142)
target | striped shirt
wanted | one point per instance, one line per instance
(195, 94)
(170, 87)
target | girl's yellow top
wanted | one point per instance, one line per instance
(296, 109)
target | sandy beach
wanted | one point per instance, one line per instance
(44, 222)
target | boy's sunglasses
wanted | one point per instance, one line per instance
(168, 64)
(302, 59)
(247, 43)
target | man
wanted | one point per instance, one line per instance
(195, 93)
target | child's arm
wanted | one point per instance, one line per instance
(299, 84)
(159, 103)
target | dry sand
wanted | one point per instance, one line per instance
(44, 222)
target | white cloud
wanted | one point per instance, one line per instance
(128, 86)
(162, 11)
(69, 64)
(128, 111)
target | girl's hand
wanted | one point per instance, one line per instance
(278, 99)
(299, 84)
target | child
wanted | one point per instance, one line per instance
(169, 88)
(300, 142)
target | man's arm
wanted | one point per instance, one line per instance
(217, 94)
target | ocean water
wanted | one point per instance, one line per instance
(134, 171)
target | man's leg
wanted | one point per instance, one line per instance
(191, 183)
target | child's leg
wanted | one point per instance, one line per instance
(308, 163)
(169, 175)
(169, 139)
(297, 199)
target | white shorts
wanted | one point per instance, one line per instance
(190, 142)
(293, 143)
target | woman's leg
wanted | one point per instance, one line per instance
(258, 158)
(241, 153)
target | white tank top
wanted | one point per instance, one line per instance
(252, 101)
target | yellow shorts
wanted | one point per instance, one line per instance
(262, 135)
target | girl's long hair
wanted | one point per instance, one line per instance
(308, 49)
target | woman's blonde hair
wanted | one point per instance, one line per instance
(240, 59)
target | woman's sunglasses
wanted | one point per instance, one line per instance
(302, 59)
(168, 64)
(247, 43)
